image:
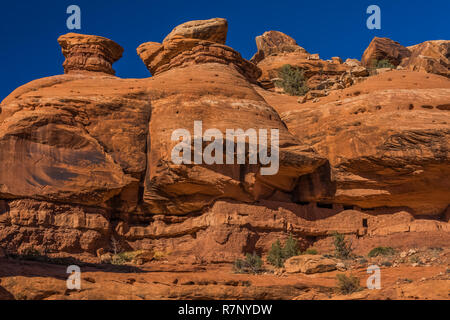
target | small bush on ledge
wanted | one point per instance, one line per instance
(381, 251)
(275, 256)
(378, 64)
(291, 248)
(347, 285)
(292, 81)
(310, 251)
(342, 248)
(384, 63)
(278, 255)
(251, 264)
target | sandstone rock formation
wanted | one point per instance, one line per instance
(276, 49)
(429, 56)
(309, 263)
(214, 30)
(39, 281)
(168, 187)
(385, 140)
(190, 72)
(86, 156)
(274, 42)
(182, 52)
(195, 42)
(55, 227)
(73, 148)
(90, 53)
(384, 49)
(88, 139)
(62, 143)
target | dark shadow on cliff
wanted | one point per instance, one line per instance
(5, 294)
(43, 266)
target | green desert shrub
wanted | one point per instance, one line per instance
(123, 257)
(384, 63)
(310, 251)
(436, 250)
(347, 284)
(118, 259)
(31, 253)
(129, 256)
(251, 264)
(278, 255)
(275, 256)
(342, 248)
(292, 80)
(415, 259)
(291, 248)
(381, 251)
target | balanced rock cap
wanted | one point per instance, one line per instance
(195, 42)
(214, 30)
(89, 53)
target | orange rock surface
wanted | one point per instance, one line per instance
(85, 161)
(384, 49)
(430, 56)
(385, 138)
(90, 53)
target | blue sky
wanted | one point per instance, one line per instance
(29, 29)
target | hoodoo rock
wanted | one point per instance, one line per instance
(182, 52)
(214, 30)
(194, 43)
(384, 49)
(62, 143)
(89, 53)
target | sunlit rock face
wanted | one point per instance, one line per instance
(430, 56)
(89, 53)
(86, 157)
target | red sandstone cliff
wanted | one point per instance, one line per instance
(86, 155)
